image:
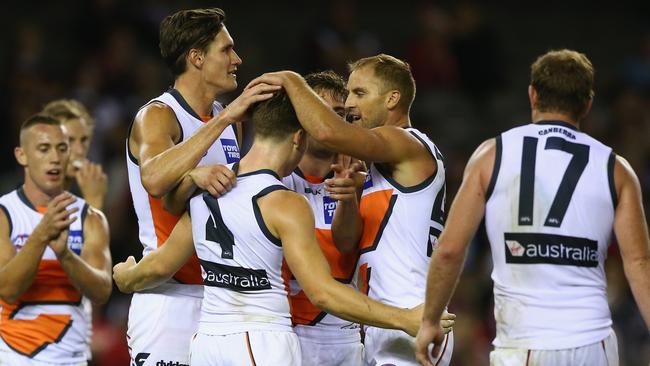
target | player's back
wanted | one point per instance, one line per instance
(50, 322)
(549, 216)
(241, 261)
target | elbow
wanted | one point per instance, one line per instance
(9, 295)
(319, 298)
(103, 294)
(447, 252)
(345, 246)
(152, 187)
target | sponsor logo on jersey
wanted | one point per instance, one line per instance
(535, 248)
(170, 363)
(230, 150)
(140, 358)
(20, 240)
(234, 278)
(329, 206)
(75, 240)
(314, 191)
(368, 183)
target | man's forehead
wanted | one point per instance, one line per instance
(363, 76)
(43, 132)
(223, 37)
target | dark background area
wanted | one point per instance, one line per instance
(470, 60)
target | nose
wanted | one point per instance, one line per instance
(236, 59)
(349, 102)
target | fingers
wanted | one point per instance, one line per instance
(435, 351)
(340, 185)
(448, 316)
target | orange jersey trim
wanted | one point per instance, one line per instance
(30, 336)
(164, 223)
(375, 210)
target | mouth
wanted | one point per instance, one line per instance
(54, 174)
(352, 116)
(233, 73)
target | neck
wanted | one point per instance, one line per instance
(197, 94)
(266, 154)
(553, 116)
(316, 165)
(398, 119)
(36, 197)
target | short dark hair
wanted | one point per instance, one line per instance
(328, 81)
(275, 118)
(187, 29)
(564, 82)
(37, 119)
(65, 109)
(395, 73)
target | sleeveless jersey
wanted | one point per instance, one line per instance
(51, 321)
(155, 224)
(241, 261)
(401, 226)
(549, 217)
(342, 266)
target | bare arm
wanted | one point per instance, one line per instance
(446, 262)
(289, 216)
(160, 265)
(216, 179)
(17, 270)
(93, 183)
(89, 272)
(346, 187)
(163, 163)
(388, 144)
(632, 235)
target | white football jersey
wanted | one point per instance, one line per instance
(342, 266)
(241, 261)
(401, 226)
(154, 222)
(51, 321)
(549, 217)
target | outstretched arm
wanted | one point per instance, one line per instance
(632, 235)
(464, 218)
(289, 216)
(89, 272)
(160, 265)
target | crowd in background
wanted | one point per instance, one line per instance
(470, 61)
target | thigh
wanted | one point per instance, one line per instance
(269, 348)
(160, 328)
(603, 353)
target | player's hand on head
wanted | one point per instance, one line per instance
(237, 110)
(120, 274)
(216, 179)
(278, 78)
(57, 217)
(92, 180)
(428, 333)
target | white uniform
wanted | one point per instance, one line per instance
(400, 230)
(326, 340)
(549, 218)
(166, 337)
(245, 297)
(50, 324)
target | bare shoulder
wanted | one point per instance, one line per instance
(624, 175)
(155, 116)
(284, 200)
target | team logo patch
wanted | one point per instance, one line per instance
(140, 358)
(329, 206)
(535, 248)
(230, 150)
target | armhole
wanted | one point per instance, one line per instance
(128, 135)
(495, 169)
(11, 225)
(84, 214)
(611, 163)
(258, 214)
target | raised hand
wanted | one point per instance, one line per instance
(56, 218)
(217, 179)
(237, 110)
(120, 274)
(349, 176)
(92, 181)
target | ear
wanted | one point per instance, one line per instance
(393, 98)
(587, 108)
(532, 97)
(21, 158)
(195, 58)
(298, 139)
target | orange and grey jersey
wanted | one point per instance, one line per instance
(50, 322)
(401, 226)
(549, 217)
(342, 266)
(241, 261)
(155, 223)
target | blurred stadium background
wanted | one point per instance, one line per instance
(470, 61)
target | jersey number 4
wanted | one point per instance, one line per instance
(216, 230)
(577, 165)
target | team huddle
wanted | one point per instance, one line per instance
(327, 243)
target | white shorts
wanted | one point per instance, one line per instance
(330, 347)
(603, 353)
(14, 359)
(396, 348)
(161, 327)
(254, 348)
